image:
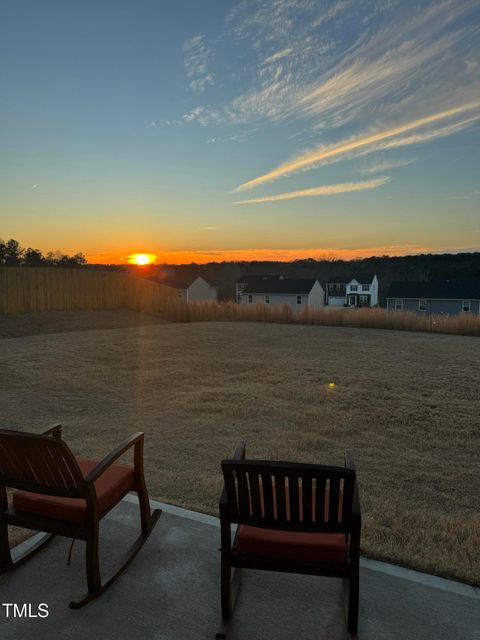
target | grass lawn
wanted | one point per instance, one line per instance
(406, 404)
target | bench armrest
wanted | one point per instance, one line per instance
(136, 440)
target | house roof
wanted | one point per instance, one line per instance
(339, 280)
(181, 281)
(462, 289)
(256, 278)
(281, 285)
(361, 278)
(364, 278)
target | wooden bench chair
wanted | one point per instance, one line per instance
(60, 494)
(292, 517)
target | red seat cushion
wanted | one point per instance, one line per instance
(112, 485)
(316, 548)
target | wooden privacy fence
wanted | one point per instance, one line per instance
(24, 289)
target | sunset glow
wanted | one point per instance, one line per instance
(333, 129)
(142, 259)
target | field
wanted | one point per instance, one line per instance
(407, 404)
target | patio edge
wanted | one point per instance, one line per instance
(426, 579)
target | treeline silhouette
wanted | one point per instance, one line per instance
(13, 255)
(424, 267)
(427, 267)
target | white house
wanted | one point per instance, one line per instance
(359, 291)
(192, 288)
(298, 293)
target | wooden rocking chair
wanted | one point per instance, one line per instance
(292, 517)
(60, 494)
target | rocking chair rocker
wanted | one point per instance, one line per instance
(63, 495)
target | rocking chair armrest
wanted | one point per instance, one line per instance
(55, 431)
(135, 440)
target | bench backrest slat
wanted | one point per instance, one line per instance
(289, 496)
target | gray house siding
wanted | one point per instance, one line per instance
(275, 299)
(433, 307)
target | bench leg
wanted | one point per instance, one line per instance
(5, 555)
(230, 587)
(352, 599)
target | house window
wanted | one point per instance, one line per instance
(299, 299)
(250, 298)
(422, 305)
(363, 299)
(466, 305)
(398, 305)
(365, 287)
(267, 299)
(353, 287)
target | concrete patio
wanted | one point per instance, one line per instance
(171, 592)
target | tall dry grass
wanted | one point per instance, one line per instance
(178, 311)
(24, 289)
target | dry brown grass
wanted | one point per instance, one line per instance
(462, 324)
(407, 404)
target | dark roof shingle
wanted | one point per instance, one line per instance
(460, 290)
(281, 285)
(181, 281)
(361, 278)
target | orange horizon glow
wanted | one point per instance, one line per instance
(141, 259)
(261, 255)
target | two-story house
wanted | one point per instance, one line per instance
(359, 291)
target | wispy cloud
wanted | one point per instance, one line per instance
(385, 165)
(399, 68)
(303, 72)
(208, 228)
(304, 66)
(367, 143)
(278, 55)
(198, 57)
(326, 190)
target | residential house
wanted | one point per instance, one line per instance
(192, 288)
(443, 298)
(358, 291)
(250, 279)
(298, 293)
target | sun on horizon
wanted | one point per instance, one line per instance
(142, 259)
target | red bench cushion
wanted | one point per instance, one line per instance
(111, 486)
(317, 548)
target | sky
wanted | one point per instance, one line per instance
(240, 130)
